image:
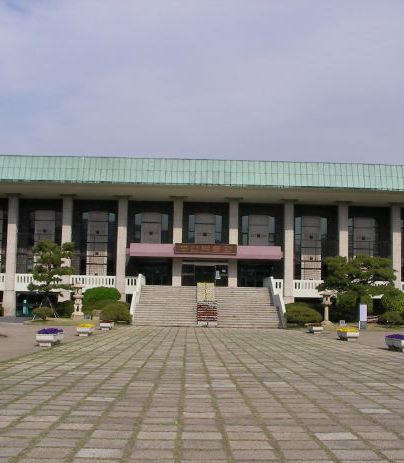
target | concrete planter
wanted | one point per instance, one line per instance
(315, 329)
(394, 344)
(346, 335)
(47, 340)
(84, 331)
(106, 326)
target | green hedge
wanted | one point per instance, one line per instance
(392, 318)
(116, 311)
(101, 293)
(300, 314)
(393, 300)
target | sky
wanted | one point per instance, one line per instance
(299, 80)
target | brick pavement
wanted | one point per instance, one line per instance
(203, 395)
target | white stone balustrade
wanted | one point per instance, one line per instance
(301, 288)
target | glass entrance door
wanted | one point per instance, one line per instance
(193, 273)
(205, 274)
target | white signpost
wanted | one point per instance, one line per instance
(363, 316)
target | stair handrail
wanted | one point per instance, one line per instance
(277, 299)
(140, 282)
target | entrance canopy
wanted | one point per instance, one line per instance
(242, 252)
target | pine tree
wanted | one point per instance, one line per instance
(50, 268)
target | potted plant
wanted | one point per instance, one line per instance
(348, 332)
(47, 337)
(85, 329)
(395, 341)
(106, 325)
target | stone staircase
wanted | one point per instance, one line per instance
(166, 306)
(246, 308)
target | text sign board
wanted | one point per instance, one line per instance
(363, 312)
(363, 316)
(191, 248)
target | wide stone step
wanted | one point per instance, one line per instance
(166, 306)
(246, 308)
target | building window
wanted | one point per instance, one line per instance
(363, 236)
(97, 227)
(311, 246)
(205, 228)
(258, 230)
(43, 223)
(151, 227)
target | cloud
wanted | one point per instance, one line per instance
(298, 80)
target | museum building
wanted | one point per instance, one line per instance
(183, 221)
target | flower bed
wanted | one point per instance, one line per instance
(348, 332)
(47, 337)
(106, 325)
(85, 329)
(395, 341)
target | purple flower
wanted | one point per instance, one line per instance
(50, 331)
(396, 336)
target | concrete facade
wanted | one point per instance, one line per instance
(207, 216)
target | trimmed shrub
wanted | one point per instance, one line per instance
(393, 300)
(301, 315)
(96, 305)
(101, 293)
(116, 311)
(392, 318)
(43, 312)
(64, 309)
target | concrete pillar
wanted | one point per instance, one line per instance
(67, 221)
(67, 226)
(395, 241)
(9, 303)
(233, 221)
(343, 245)
(177, 270)
(121, 245)
(233, 239)
(288, 250)
(177, 238)
(177, 220)
(232, 279)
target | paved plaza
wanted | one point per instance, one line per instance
(192, 395)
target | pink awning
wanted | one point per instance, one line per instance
(243, 252)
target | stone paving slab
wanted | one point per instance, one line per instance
(18, 339)
(147, 394)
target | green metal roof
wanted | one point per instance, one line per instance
(275, 174)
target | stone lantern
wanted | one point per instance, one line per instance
(78, 304)
(326, 304)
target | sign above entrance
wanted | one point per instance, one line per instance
(191, 248)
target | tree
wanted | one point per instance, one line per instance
(50, 267)
(361, 277)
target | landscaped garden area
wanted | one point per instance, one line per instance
(349, 283)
